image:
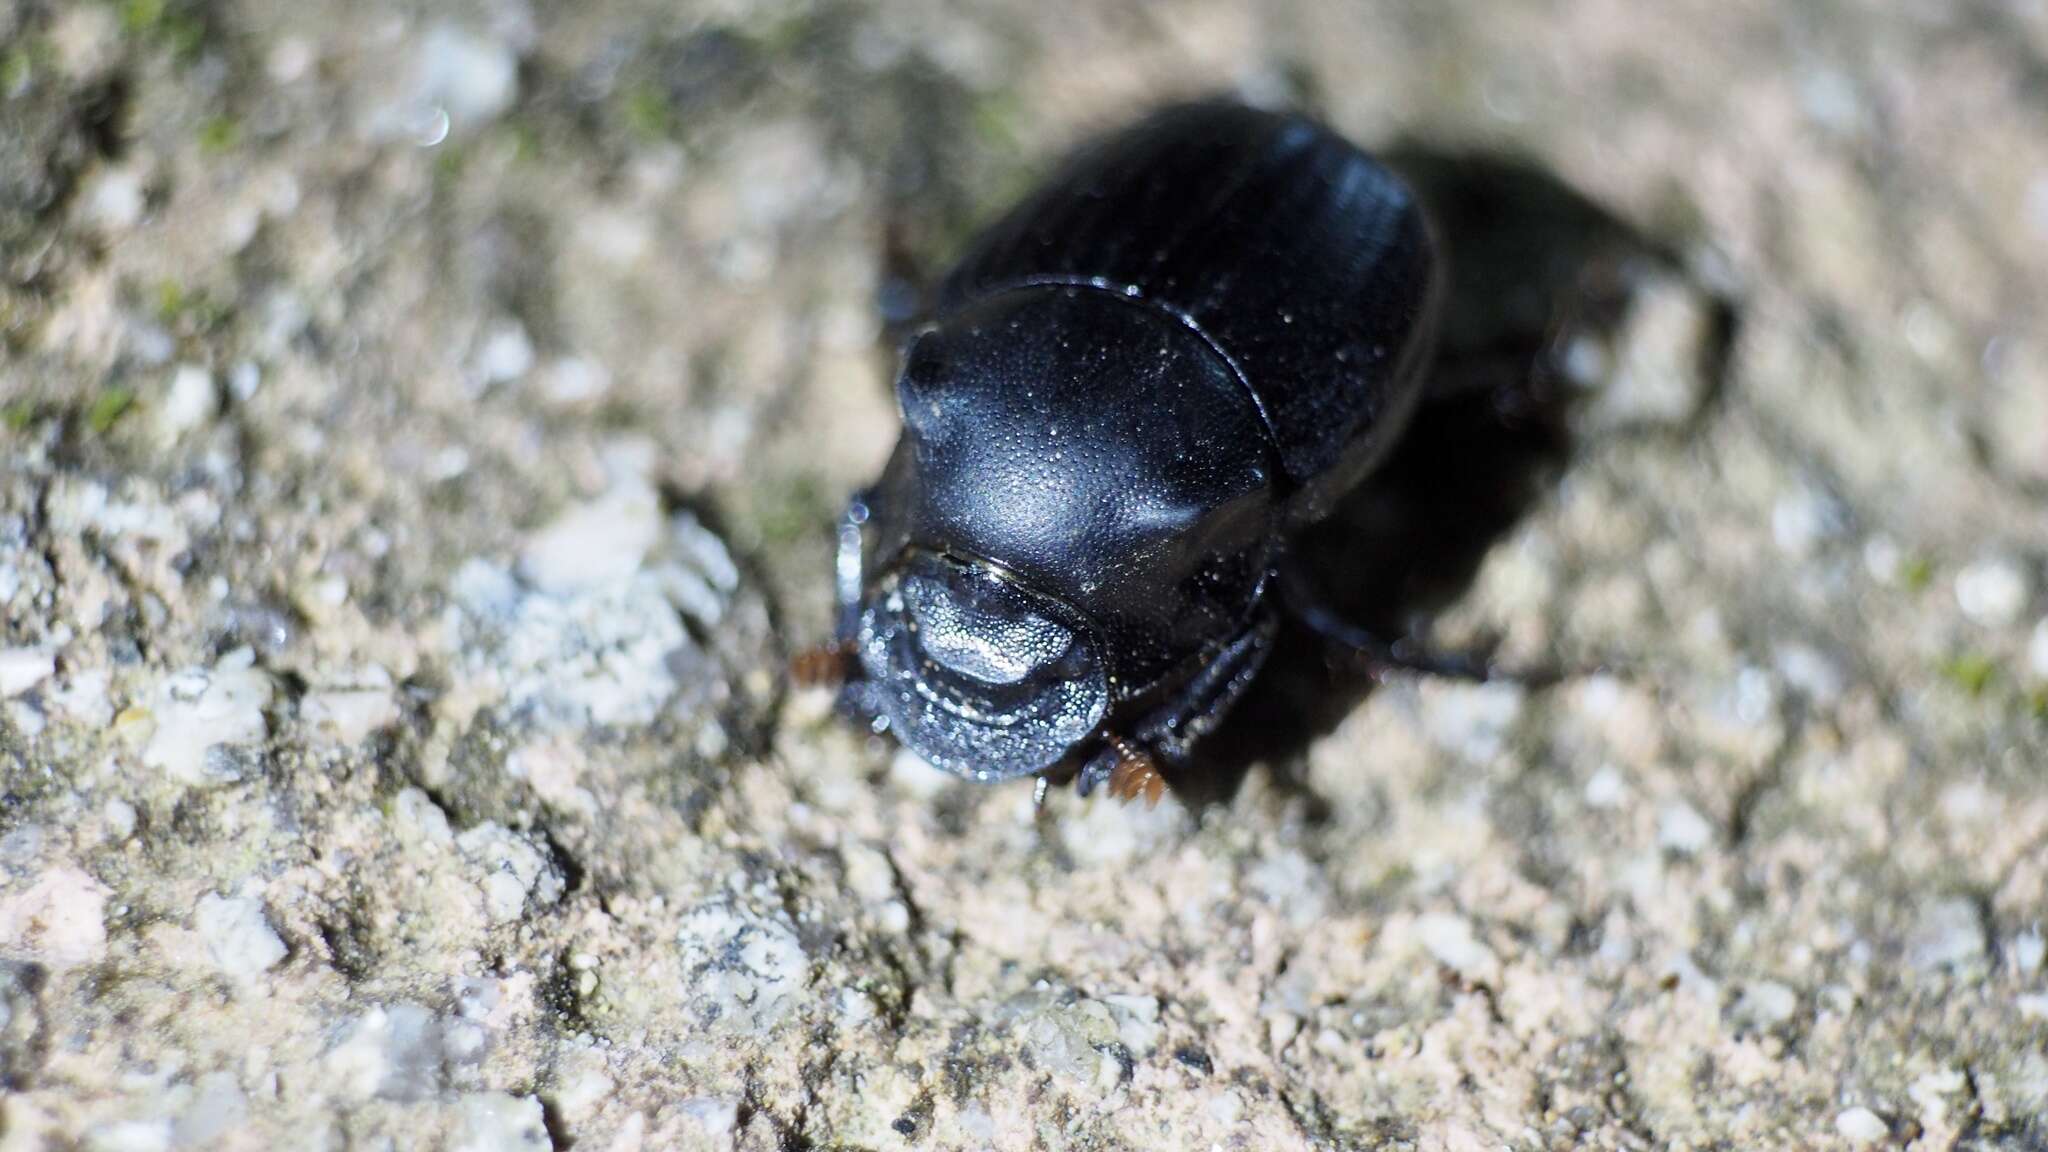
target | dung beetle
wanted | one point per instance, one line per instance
(1129, 396)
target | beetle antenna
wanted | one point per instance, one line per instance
(1136, 774)
(824, 666)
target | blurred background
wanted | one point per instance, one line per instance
(420, 428)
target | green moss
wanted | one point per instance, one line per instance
(526, 141)
(1970, 671)
(645, 111)
(793, 511)
(170, 299)
(1917, 573)
(107, 408)
(17, 415)
(174, 26)
(218, 135)
(142, 17)
(17, 70)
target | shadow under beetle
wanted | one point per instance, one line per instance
(1132, 393)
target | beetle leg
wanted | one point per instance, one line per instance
(1095, 773)
(829, 665)
(1381, 655)
(848, 576)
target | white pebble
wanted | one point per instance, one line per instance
(1450, 939)
(391, 1052)
(514, 870)
(1606, 789)
(717, 1118)
(120, 818)
(575, 380)
(1472, 720)
(2028, 950)
(743, 970)
(593, 544)
(469, 77)
(350, 714)
(505, 354)
(1656, 376)
(190, 401)
(200, 709)
(238, 937)
(417, 813)
(498, 1122)
(1950, 934)
(1811, 671)
(114, 202)
(290, 59)
(131, 1136)
(1801, 520)
(1992, 592)
(1883, 559)
(2037, 650)
(1860, 1126)
(59, 920)
(216, 1111)
(1765, 1004)
(23, 668)
(1682, 829)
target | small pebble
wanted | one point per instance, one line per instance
(200, 709)
(2037, 650)
(1810, 671)
(23, 668)
(2028, 951)
(1681, 829)
(238, 937)
(1656, 376)
(190, 401)
(468, 77)
(1606, 789)
(1801, 520)
(594, 544)
(1992, 592)
(1450, 939)
(1860, 1126)
(1950, 934)
(497, 1122)
(1765, 1004)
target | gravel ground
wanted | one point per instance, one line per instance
(419, 432)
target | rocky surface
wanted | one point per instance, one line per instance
(419, 428)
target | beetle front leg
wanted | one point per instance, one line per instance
(835, 663)
(849, 576)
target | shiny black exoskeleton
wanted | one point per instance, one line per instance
(1130, 394)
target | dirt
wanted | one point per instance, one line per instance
(420, 431)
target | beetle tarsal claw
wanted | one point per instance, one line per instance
(1136, 774)
(824, 666)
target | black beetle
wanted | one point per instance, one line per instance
(1130, 394)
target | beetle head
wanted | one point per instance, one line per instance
(975, 673)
